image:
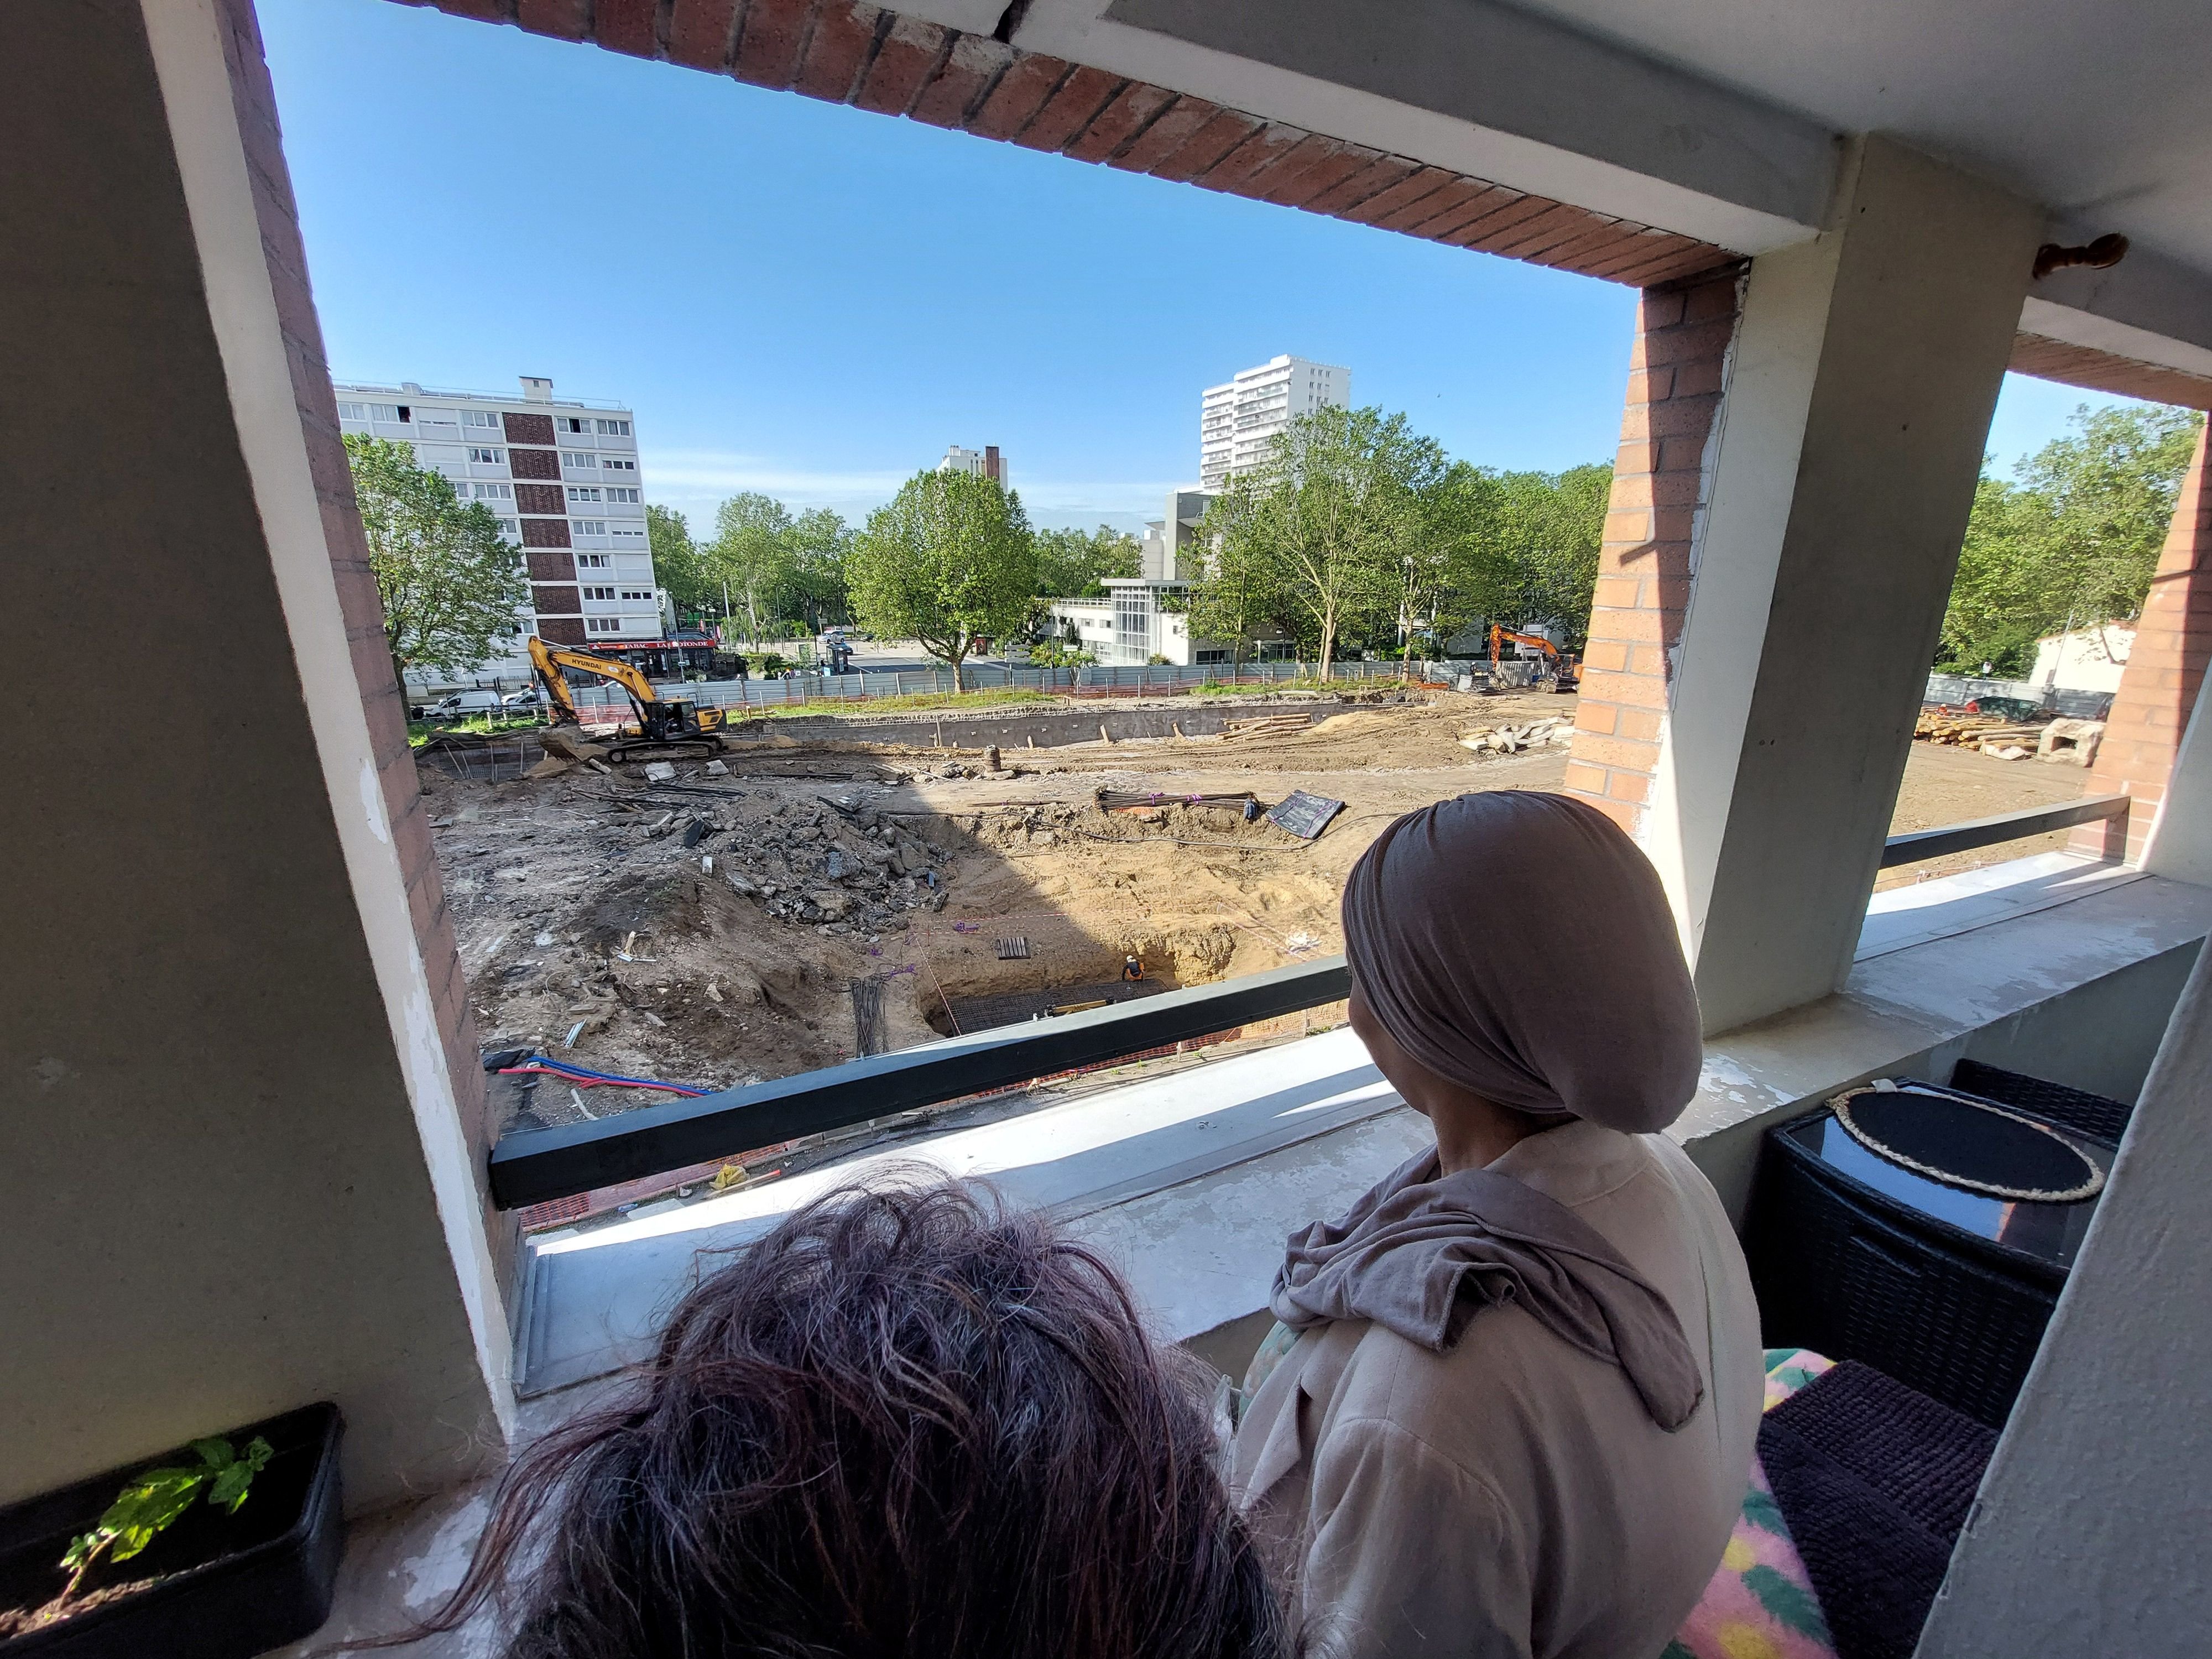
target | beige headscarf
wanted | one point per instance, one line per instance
(1519, 945)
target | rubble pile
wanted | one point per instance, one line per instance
(820, 864)
(1558, 730)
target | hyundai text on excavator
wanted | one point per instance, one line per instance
(1559, 667)
(667, 728)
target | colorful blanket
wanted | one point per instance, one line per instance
(1760, 1604)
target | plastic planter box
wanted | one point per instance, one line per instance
(230, 1585)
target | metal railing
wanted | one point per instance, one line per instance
(1915, 845)
(534, 1166)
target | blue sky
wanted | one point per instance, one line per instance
(814, 301)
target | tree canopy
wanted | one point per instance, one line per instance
(2072, 540)
(1358, 530)
(680, 565)
(452, 587)
(751, 553)
(1073, 564)
(949, 560)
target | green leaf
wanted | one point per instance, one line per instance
(148, 1505)
(82, 1548)
(216, 1454)
(230, 1486)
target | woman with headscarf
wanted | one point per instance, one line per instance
(1516, 1421)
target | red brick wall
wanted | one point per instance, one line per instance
(1683, 332)
(561, 601)
(552, 566)
(545, 532)
(255, 103)
(2158, 687)
(529, 428)
(533, 462)
(562, 630)
(540, 498)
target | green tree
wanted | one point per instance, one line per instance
(751, 554)
(1341, 498)
(2072, 541)
(1532, 558)
(1073, 564)
(949, 560)
(452, 587)
(814, 588)
(679, 565)
(1242, 584)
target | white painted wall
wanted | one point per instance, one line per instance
(2093, 1526)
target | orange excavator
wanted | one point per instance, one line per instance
(667, 728)
(1559, 667)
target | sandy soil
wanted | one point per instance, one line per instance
(712, 933)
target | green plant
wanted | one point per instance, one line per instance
(154, 1499)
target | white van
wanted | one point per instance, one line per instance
(461, 706)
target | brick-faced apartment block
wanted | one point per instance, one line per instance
(561, 477)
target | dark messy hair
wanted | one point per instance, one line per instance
(913, 1422)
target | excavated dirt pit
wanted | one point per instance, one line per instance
(710, 930)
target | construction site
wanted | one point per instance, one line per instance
(805, 891)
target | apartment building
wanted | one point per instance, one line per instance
(561, 477)
(1236, 418)
(984, 463)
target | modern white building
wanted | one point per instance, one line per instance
(1168, 553)
(1236, 418)
(984, 463)
(2087, 660)
(561, 477)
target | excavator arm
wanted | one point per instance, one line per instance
(1499, 636)
(549, 660)
(663, 725)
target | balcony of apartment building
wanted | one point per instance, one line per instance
(251, 1159)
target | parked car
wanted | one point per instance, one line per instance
(529, 697)
(461, 706)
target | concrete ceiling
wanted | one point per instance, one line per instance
(2102, 111)
(1722, 119)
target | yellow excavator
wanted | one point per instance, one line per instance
(667, 728)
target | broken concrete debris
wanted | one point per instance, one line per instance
(714, 768)
(1557, 730)
(660, 772)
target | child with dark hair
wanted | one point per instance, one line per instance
(905, 1423)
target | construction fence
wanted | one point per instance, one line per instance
(863, 685)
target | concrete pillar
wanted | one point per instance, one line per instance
(242, 1118)
(1836, 486)
(2089, 1533)
(2152, 750)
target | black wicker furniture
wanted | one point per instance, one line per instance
(1946, 1289)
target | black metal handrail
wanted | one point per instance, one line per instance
(1915, 845)
(533, 1166)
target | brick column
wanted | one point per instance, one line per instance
(1683, 332)
(254, 99)
(2158, 690)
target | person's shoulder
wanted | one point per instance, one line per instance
(1496, 1379)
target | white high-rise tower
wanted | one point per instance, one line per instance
(1237, 419)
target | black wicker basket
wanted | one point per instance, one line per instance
(2054, 1102)
(1852, 1272)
